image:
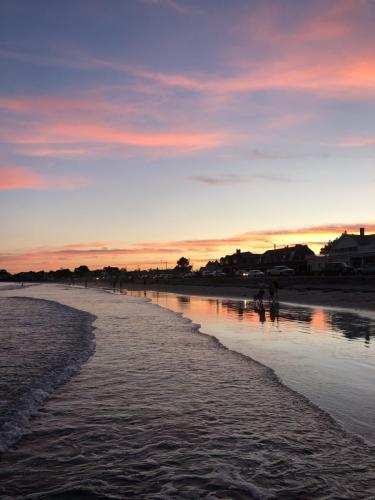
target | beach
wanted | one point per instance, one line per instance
(162, 411)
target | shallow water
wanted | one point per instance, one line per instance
(326, 354)
(42, 344)
(162, 411)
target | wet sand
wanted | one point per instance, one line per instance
(344, 297)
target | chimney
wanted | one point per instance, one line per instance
(362, 232)
(238, 250)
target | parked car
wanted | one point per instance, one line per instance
(255, 273)
(188, 275)
(370, 270)
(242, 272)
(337, 269)
(213, 274)
(280, 271)
(219, 274)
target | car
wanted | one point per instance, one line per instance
(337, 269)
(219, 274)
(280, 271)
(255, 273)
(188, 275)
(208, 274)
(368, 270)
(213, 274)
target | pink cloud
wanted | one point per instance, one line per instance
(359, 141)
(56, 152)
(17, 177)
(353, 76)
(100, 133)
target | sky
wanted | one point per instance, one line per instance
(133, 132)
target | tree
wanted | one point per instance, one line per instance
(327, 248)
(111, 272)
(4, 275)
(63, 274)
(183, 265)
(81, 271)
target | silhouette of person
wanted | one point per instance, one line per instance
(276, 288)
(271, 292)
(262, 313)
(258, 298)
(274, 311)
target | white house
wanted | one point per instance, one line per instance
(357, 250)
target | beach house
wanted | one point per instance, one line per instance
(239, 261)
(357, 250)
(291, 256)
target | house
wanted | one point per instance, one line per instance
(293, 257)
(211, 268)
(239, 261)
(357, 250)
(316, 263)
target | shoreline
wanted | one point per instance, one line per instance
(186, 407)
(363, 301)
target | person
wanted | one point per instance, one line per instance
(276, 290)
(262, 314)
(271, 292)
(258, 299)
(274, 311)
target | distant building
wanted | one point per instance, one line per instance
(211, 268)
(293, 257)
(316, 263)
(357, 250)
(239, 261)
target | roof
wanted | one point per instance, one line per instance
(366, 239)
(281, 251)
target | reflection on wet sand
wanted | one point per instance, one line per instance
(325, 354)
(347, 324)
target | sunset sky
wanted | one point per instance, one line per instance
(136, 131)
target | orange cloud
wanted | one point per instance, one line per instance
(16, 177)
(133, 255)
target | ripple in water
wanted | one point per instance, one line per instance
(42, 344)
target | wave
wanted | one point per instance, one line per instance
(43, 344)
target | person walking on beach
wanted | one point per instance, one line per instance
(276, 290)
(271, 292)
(258, 299)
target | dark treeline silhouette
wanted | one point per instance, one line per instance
(111, 274)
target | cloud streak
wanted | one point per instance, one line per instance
(18, 177)
(230, 179)
(84, 132)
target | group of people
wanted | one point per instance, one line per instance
(273, 294)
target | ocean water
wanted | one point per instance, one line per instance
(160, 410)
(42, 345)
(326, 354)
